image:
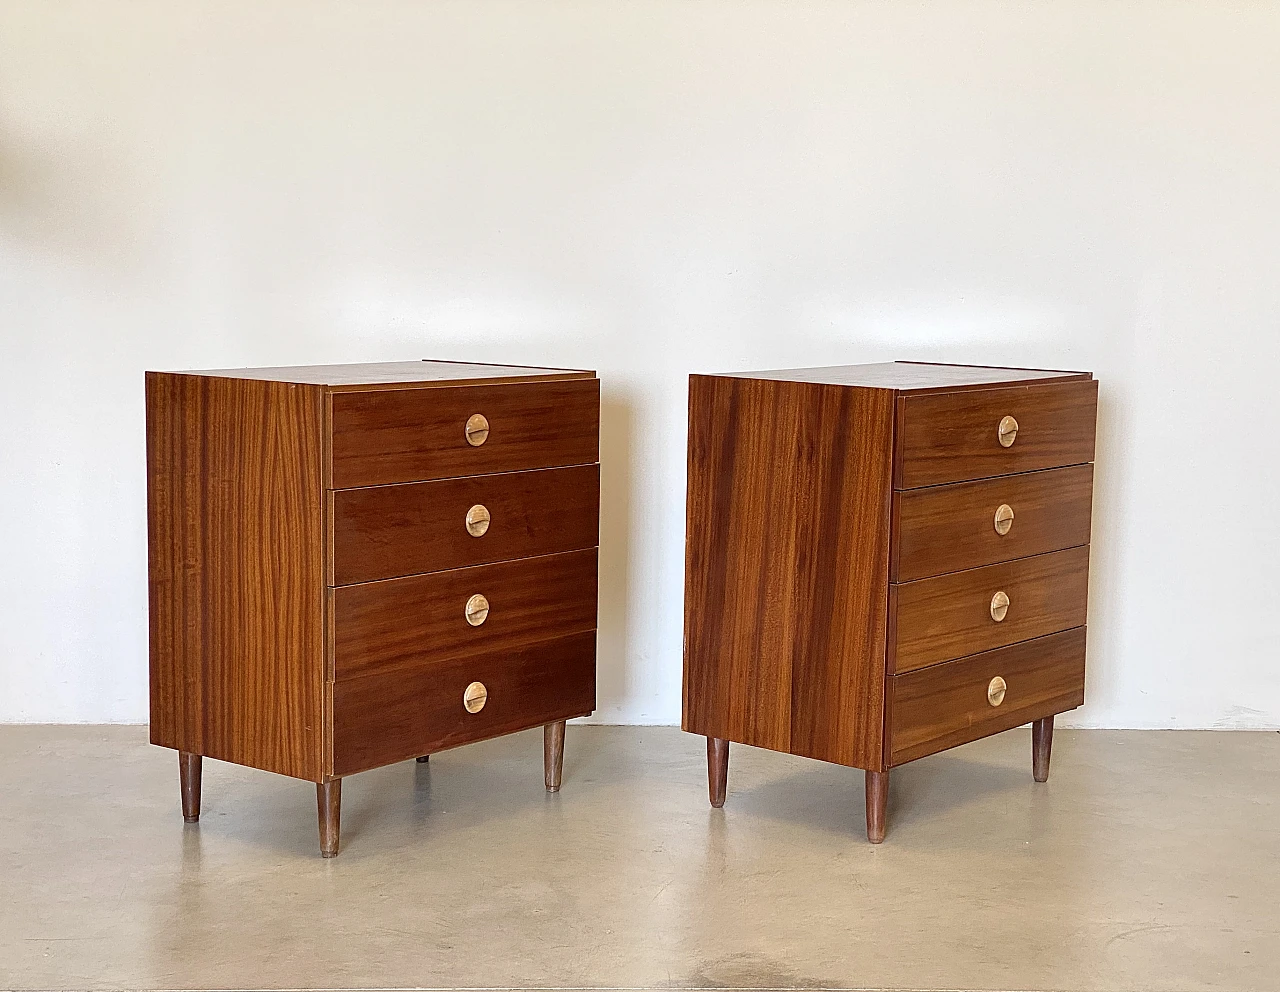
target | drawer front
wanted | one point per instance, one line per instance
(417, 622)
(380, 437)
(950, 616)
(397, 715)
(947, 705)
(953, 437)
(387, 531)
(949, 528)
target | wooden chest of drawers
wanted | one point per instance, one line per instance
(355, 565)
(884, 561)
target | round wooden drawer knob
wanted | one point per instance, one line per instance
(1004, 518)
(1008, 432)
(478, 520)
(996, 690)
(474, 697)
(477, 610)
(999, 606)
(477, 430)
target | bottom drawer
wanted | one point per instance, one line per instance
(379, 719)
(935, 708)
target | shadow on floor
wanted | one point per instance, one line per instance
(821, 796)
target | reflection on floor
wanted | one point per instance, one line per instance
(1149, 861)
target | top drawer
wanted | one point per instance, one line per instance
(380, 437)
(951, 437)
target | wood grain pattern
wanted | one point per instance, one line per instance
(717, 770)
(1041, 748)
(388, 531)
(952, 437)
(236, 570)
(399, 715)
(915, 377)
(553, 755)
(190, 768)
(329, 816)
(381, 437)
(877, 803)
(787, 566)
(949, 616)
(419, 621)
(946, 705)
(950, 528)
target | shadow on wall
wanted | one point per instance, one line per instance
(28, 188)
(23, 198)
(616, 430)
(1110, 484)
(54, 201)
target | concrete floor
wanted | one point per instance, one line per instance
(1149, 861)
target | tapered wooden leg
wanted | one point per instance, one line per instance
(877, 803)
(553, 754)
(1041, 746)
(329, 810)
(717, 770)
(189, 766)
(423, 758)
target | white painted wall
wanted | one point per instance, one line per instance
(650, 189)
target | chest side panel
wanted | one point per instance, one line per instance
(786, 555)
(236, 570)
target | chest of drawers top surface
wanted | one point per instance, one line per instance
(912, 376)
(376, 375)
(862, 534)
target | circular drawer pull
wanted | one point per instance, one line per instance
(474, 697)
(478, 520)
(1008, 432)
(999, 606)
(996, 690)
(477, 430)
(477, 610)
(1004, 518)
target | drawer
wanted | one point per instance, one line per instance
(397, 715)
(947, 705)
(954, 437)
(386, 531)
(950, 616)
(419, 621)
(380, 437)
(948, 528)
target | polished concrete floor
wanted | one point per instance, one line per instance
(1149, 861)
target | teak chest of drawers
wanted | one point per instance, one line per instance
(358, 564)
(884, 561)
